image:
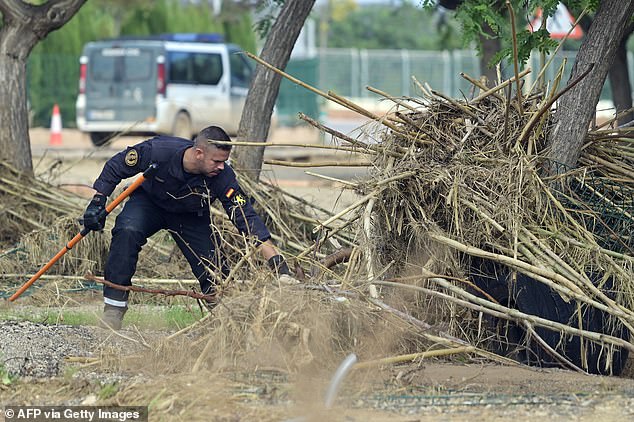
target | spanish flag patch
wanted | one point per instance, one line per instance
(230, 192)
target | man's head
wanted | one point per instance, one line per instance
(208, 154)
(211, 134)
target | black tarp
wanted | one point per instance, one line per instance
(535, 298)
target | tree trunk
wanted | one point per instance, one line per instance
(23, 25)
(256, 116)
(576, 108)
(620, 80)
(14, 136)
(490, 47)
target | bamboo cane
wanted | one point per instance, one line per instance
(567, 288)
(330, 233)
(485, 129)
(369, 252)
(391, 98)
(559, 46)
(333, 179)
(553, 352)
(500, 86)
(357, 108)
(295, 145)
(332, 132)
(529, 238)
(291, 78)
(515, 56)
(413, 356)
(593, 247)
(189, 327)
(610, 165)
(345, 211)
(503, 312)
(546, 107)
(480, 85)
(319, 164)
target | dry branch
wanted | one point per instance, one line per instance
(194, 295)
(413, 356)
(319, 164)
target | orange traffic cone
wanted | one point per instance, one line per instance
(56, 127)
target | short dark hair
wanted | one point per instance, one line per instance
(208, 135)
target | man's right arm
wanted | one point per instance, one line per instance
(122, 165)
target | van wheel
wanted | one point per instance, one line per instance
(100, 138)
(182, 126)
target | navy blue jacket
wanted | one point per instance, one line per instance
(177, 191)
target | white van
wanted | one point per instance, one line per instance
(173, 84)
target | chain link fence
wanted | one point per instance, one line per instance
(603, 206)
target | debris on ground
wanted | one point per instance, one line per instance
(464, 236)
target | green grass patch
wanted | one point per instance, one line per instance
(144, 317)
(5, 377)
(174, 317)
(108, 391)
(70, 371)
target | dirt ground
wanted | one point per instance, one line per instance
(139, 366)
(135, 368)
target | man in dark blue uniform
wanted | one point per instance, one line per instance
(190, 176)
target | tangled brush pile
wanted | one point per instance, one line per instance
(462, 191)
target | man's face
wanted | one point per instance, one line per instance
(211, 160)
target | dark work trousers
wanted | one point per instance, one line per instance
(139, 220)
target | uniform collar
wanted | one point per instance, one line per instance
(176, 164)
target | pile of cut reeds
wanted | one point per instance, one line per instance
(458, 180)
(38, 220)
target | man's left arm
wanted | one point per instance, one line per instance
(240, 210)
(276, 262)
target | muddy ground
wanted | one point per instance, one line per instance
(60, 364)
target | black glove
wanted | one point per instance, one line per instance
(95, 214)
(278, 265)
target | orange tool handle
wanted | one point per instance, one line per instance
(79, 236)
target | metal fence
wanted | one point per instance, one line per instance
(52, 78)
(348, 71)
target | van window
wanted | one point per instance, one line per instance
(102, 67)
(241, 72)
(194, 68)
(138, 67)
(121, 64)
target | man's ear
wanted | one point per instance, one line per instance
(199, 153)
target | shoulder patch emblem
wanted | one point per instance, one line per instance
(239, 200)
(131, 158)
(236, 196)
